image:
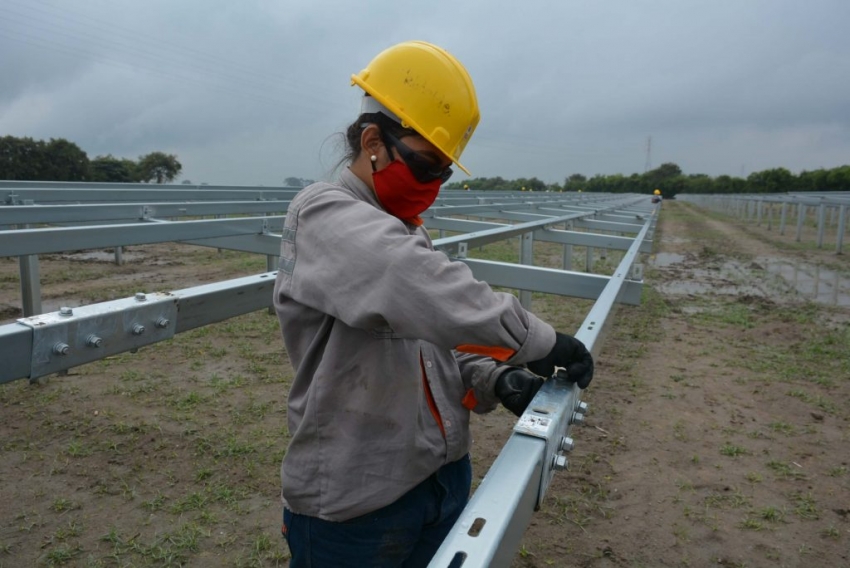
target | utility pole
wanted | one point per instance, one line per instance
(648, 164)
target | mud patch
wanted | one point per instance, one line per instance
(812, 282)
(784, 279)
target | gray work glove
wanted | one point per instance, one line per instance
(516, 387)
(569, 353)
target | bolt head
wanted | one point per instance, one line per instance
(66, 311)
(61, 348)
(141, 297)
(559, 463)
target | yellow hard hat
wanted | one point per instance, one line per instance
(429, 90)
(657, 192)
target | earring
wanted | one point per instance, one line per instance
(374, 159)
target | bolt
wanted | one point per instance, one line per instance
(61, 348)
(559, 463)
(567, 444)
(94, 341)
(138, 329)
(582, 408)
(64, 311)
(577, 418)
(140, 297)
(162, 322)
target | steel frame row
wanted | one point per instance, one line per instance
(45, 218)
(825, 209)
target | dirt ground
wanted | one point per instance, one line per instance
(718, 430)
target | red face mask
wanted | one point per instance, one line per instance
(401, 194)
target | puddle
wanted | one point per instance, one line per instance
(810, 281)
(697, 288)
(666, 258)
(675, 240)
(764, 277)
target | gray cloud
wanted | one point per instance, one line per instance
(250, 92)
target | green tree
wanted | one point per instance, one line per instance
(771, 181)
(838, 179)
(663, 172)
(574, 182)
(36, 160)
(64, 161)
(20, 158)
(111, 169)
(158, 167)
(297, 182)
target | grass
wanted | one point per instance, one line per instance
(784, 470)
(782, 428)
(191, 432)
(199, 450)
(732, 450)
(805, 505)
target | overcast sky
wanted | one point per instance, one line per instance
(252, 91)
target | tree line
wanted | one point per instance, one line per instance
(670, 179)
(26, 159)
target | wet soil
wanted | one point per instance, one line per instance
(718, 431)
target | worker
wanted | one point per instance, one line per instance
(392, 343)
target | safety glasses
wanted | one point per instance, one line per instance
(423, 169)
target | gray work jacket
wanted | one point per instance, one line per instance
(369, 312)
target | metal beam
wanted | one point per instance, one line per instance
(33, 347)
(51, 240)
(47, 214)
(489, 530)
(548, 280)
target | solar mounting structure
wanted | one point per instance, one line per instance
(49, 217)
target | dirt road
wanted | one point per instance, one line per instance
(718, 431)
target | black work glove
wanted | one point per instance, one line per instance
(516, 387)
(569, 353)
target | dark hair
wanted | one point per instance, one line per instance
(355, 130)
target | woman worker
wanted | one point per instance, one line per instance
(392, 343)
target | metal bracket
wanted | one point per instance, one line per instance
(462, 250)
(555, 407)
(636, 272)
(74, 336)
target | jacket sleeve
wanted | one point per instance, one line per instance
(348, 259)
(479, 374)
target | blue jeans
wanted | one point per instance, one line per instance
(406, 533)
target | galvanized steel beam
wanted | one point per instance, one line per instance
(491, 526)
(40, 345)
(52, 240)
(128, 212)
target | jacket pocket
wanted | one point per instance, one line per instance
(384, 332)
